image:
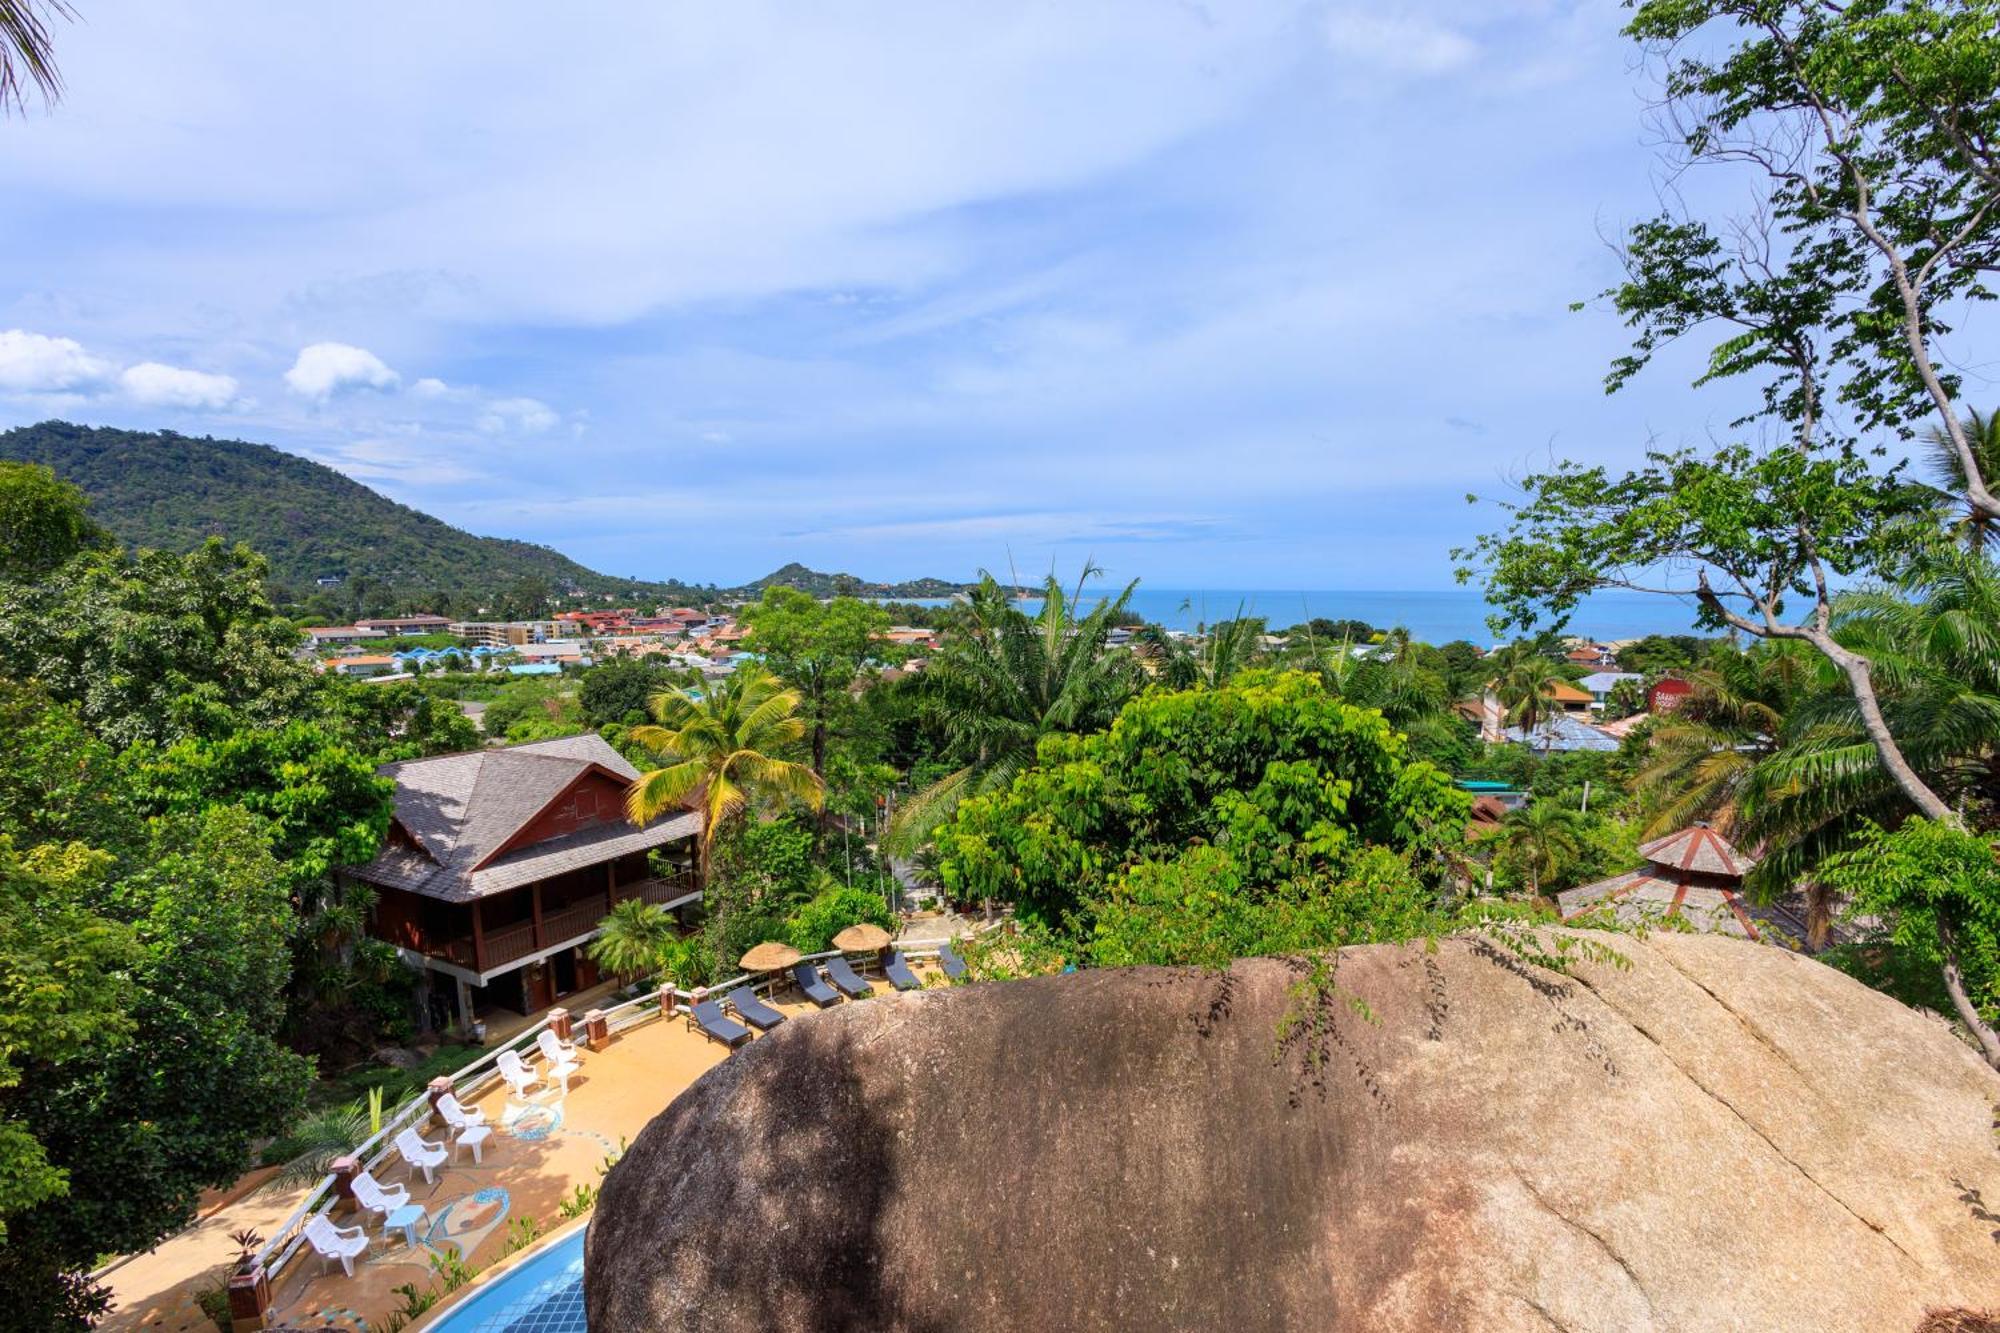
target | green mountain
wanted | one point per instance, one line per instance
(313, 524)
(338, 549)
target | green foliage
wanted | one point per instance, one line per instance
(43, 522)
(1657, 653)
(579, 1201)
(617, 691)
(155, 646)
(817, 648)
(395, 721)
(633, 938)
(534, 708)
(63, 995)
(833, 909)
(1004, 680)
(1935, 890)
(522, 1232)
(1285, 776)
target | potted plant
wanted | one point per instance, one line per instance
(249, 1286)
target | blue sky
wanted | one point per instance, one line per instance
(1225, 295)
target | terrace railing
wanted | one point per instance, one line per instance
(475, 1078)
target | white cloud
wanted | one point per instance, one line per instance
(325, 369)
(429, 387)
(153, 385)
(527, 415)
(1386, 40)
(32, 363)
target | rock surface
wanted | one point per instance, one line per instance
(1717, 1136)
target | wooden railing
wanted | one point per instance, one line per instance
(574, 920)
(508, 943)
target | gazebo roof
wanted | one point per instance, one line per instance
(1699, 849)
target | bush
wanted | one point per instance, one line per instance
(811, 929)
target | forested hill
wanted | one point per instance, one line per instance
(175, 491)
(312, 523)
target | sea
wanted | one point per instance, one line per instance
(1431, 615)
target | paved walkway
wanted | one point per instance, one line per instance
(542, 1148)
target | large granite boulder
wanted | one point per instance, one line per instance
(1716, 1135)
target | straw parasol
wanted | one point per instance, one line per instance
(861, 938)
(769, 957)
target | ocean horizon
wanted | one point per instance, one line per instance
(1432, 615)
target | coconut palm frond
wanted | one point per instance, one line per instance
(27, 51)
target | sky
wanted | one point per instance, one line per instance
(1240, 294)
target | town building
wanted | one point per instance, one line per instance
(1695, 877)
(409, 624)
(322, 636)
(364, 664)
(501, 865)
(1601, 683)
(1666, 694)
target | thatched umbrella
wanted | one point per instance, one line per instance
(769, 957)
(861, 938)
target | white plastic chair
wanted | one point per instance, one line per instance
(516, 1072)
(421, 1154)
(376, 1197)
(560, 1061)
(333, 1242)
(457, 1114)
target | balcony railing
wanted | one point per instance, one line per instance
(508, 944)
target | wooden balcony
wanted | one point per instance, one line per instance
(491, 948)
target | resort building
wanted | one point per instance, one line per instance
(501, 865)
(408, 624)
(320, 636)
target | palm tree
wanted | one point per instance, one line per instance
(1934, 649)
(27, 52)
(1211, 660)
(1982, 432)
(1545, 837)
(1003, 679)
(1526, 684)
(724, 743)
(1701, 756)
(632, 938)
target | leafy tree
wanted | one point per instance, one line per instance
(63, 998)
(724, 745)
(156, 646)
(533, 708)
(818, 649)
(834, 908)
(1935, 889)
(1702, 757)
(1657, 653)
(1002, 680)
(1283, 775)
(396, 721)
(615, 692)
(43, 521)
(1624, 699)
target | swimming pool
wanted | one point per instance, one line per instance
(541, 1294)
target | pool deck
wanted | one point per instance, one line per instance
(541, 1149)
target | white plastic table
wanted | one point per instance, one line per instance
(407, 1218)
(473, 1138)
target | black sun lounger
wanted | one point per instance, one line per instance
(897, 969)
(708, 1016)
(847, 979)
(815, 990)
(948, 959)
(753, 1010)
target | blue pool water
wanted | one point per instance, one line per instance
(541, 1294)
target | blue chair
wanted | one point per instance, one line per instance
(897, 969)
(718, 1026)
(816, 990)
(953, 965)
(753, 1010)
(844, 977)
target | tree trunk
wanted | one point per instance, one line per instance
(1931, 806)
(1968, 1012)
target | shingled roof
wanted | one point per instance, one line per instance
(1697, 876)
(459, 809)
